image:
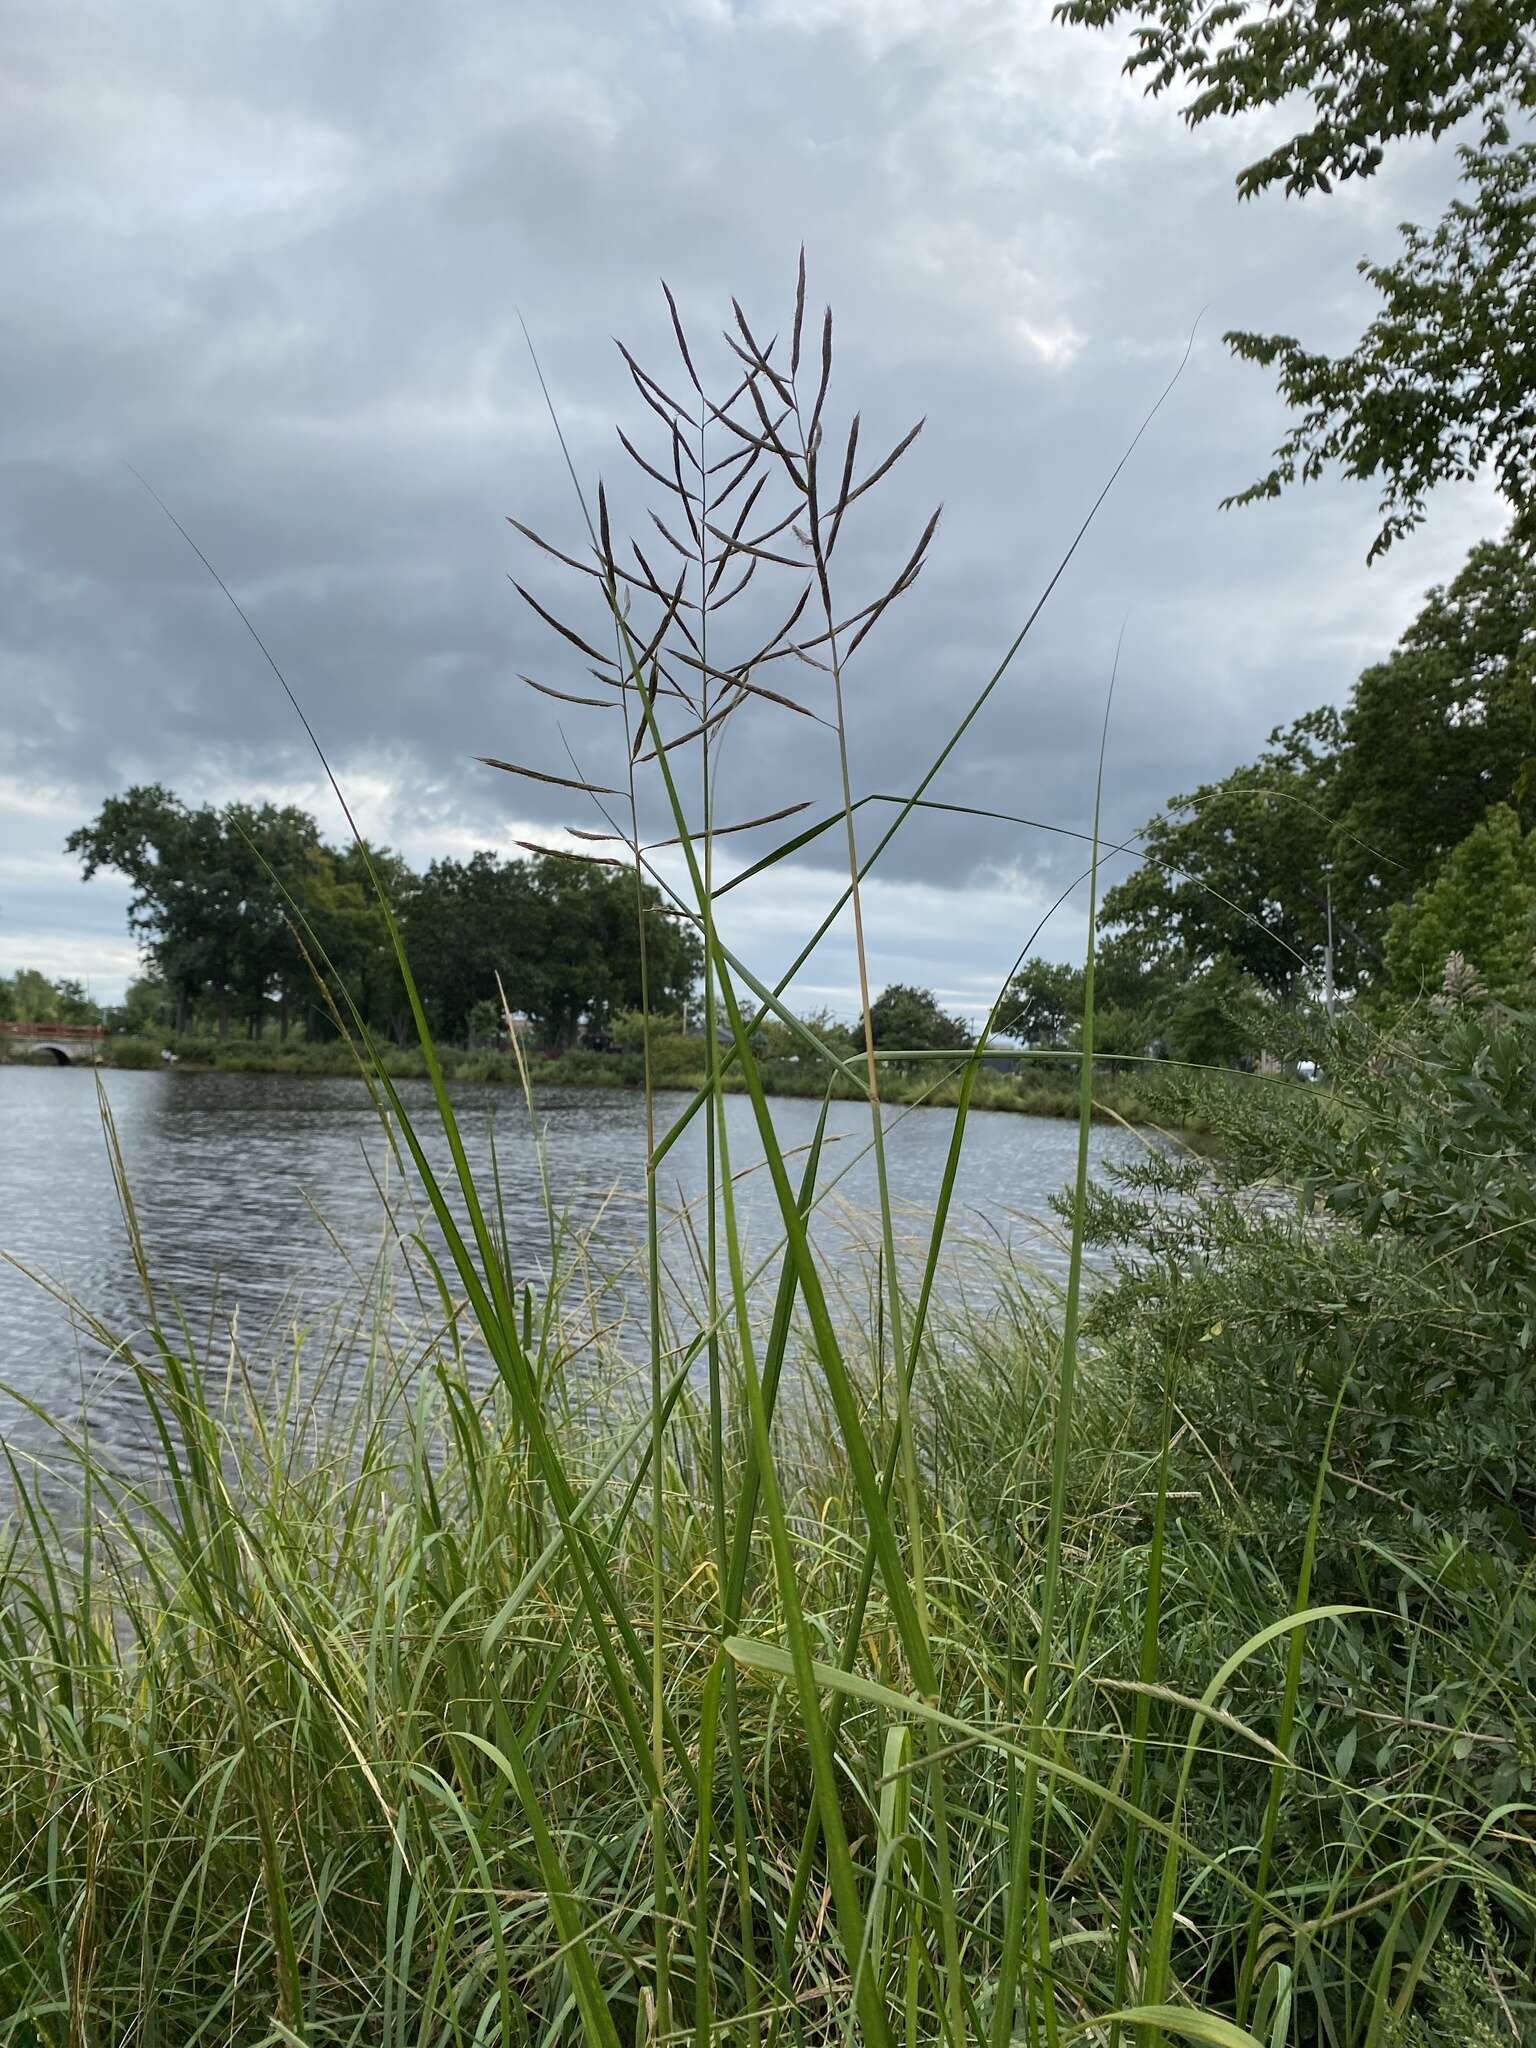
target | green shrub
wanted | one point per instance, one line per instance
(131, 1052)
(1370, 1246)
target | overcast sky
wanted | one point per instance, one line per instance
(273, 257)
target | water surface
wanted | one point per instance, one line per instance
(265, 1200)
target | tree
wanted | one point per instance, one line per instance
(595, 971)
(220, 898)
(348, 927)
(1215, 1019)
(906, 1019)
(1481, 905)
(271, 855)
(563, 935)
(1362, 806)
(144, 1009)
(72, 1004)
(465, 922)
(1043, 1003)
(1442, 383)
(31, 998)
(143, 834)
(1239, 869)
(240, 909)
(1434, 735)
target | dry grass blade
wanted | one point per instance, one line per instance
(659, 400)
(767, 441)
(721, 412)
(741, 519)
(719, 603)
(682, 339)
(649, 581)
(681, 547)
(542, 775)
(748, 460)
(677, 468)
(746, 825)
(742, 677)
(758, 540)
(715, 718)
(903, 582)
(849, 497)
(595, 860)
(753, 688)
(766, 651)
(647, 723)
(640, 462)
(813, 431)
(568, 696)
(646, 657)
(771, 437)
(847, 478)
(745, 547)
(570, 561)
(669, 687)
(794, 344)
(605, 538)
(565, 632)
(759, 358)
(675, 604)
(801, 649)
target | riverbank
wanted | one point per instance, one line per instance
(355, 1740)
(460, 1680)
(1037, 1090)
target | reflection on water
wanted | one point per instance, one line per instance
(265, 1200)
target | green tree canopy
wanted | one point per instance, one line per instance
(1482, 905)
(906, 1019)
(1360, 806)
(144, 1009)
(1442, 383)
(213, 893)
(563, 935)
(239, 908)
(1434, 735)
(1043, 1003)
(28, 997)
(1239, 869)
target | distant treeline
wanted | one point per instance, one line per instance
(250, 922)
(29, 997)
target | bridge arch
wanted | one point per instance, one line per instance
(62, 1045)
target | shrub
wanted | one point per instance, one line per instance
(1395, 1277)
(131, 1052)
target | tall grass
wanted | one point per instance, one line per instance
(861, 1677)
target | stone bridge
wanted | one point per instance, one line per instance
(66, 1045)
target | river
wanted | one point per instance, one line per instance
(261, 1199)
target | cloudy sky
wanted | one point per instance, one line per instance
(273, 258)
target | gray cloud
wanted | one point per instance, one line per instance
(275, 262)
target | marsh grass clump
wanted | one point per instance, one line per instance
(906, 1673)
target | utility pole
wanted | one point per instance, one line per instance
(1328, 960)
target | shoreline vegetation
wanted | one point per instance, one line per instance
(340, 1726)
(677, 1062)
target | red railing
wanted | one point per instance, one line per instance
(86, 1031)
